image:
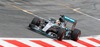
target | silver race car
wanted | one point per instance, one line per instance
(56, 28)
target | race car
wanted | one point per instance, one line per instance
(56, 28)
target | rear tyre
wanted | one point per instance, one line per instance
(75, 34)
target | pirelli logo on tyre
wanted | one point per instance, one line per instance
(47, 42)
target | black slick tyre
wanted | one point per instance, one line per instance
(75, 34)
(60, 34)
(36, 21)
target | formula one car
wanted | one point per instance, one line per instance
(56, 28)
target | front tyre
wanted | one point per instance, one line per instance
(36, 21)
(75, 34)
(60, 33)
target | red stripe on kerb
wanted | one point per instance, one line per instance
(85, 43)
(94, 40)
(1, 46)
(17, 43)
(64, 43)
(44, 44)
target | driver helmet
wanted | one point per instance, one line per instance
(58, 22)
(61, 19)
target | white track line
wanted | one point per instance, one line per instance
(67, 6)
(86, 14)
(76, 10)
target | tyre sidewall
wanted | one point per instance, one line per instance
(75, 34)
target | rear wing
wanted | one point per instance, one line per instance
(66, 18)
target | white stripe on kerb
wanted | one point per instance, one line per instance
(74, 43)
(32, 44)
(90, 42)
(6, 44)
(53, 43)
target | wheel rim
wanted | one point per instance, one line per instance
(52, 34)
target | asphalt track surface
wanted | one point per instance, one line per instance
(15, 15)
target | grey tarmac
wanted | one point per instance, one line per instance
(14, 21)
